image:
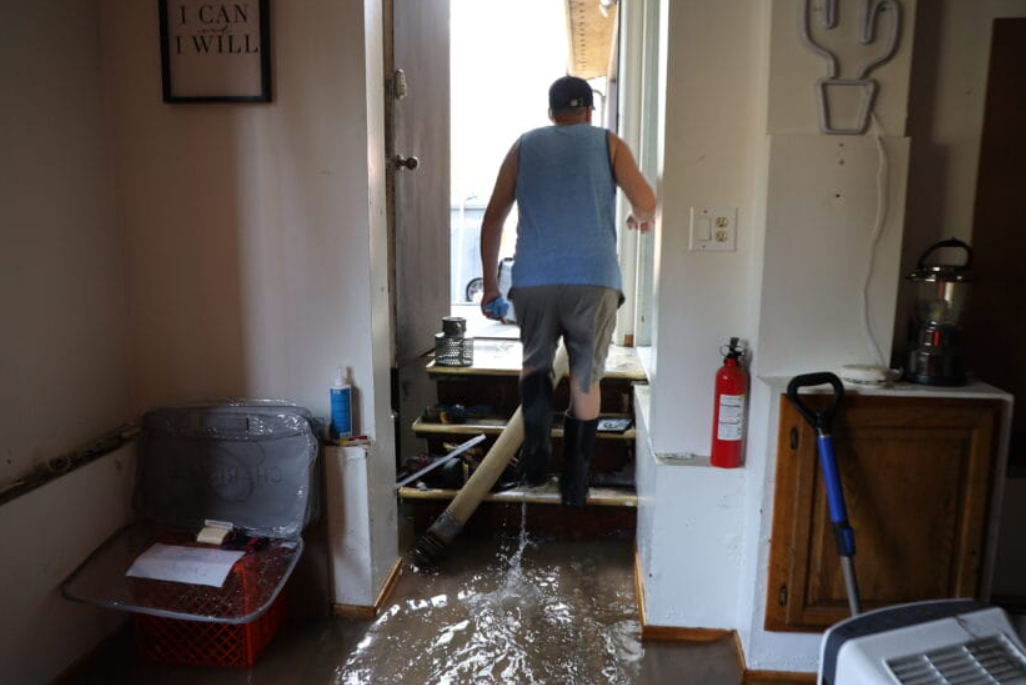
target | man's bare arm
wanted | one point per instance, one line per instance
(627, 175)
(503, 197)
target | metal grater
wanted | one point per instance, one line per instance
(452, 346)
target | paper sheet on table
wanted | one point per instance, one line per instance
(193, 565)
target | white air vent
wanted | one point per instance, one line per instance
(990, 661)
(937, 642)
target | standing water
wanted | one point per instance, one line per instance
(515, 611)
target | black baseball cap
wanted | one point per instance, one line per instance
(569, 92)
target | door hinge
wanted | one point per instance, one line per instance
(782, 597)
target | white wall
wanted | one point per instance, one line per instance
(247, 240)
(47, 533)
(745, 134)
(703, 299)
(63, 376)
(248, 227)
(256, 239)
(821, 207)
(689, 547)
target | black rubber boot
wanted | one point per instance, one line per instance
(536, 405)
(578, 445)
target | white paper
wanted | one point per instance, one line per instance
(193, 565)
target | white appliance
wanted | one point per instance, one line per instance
(945, 642)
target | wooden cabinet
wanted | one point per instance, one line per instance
(917, 476)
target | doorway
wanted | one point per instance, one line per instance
(995, 334)
(504, 56)
(466, 78)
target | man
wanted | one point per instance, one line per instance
(566, 277)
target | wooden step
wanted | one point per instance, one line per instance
(504, 357)
(493, 425)
(502, 394)
(493, 380)
(549, 521)
(613, 452)
(599, 496)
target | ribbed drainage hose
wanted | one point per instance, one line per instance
(436, 539)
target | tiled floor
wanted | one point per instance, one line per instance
(494, 612)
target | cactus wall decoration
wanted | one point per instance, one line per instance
(841, 79)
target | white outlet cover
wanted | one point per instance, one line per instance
(713, 229)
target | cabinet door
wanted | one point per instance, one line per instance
(917, 478)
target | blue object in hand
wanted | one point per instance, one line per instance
(498, 307)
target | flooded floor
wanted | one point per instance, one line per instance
(509, 610)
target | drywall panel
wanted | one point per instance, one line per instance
(822, 204)
(703, 299)
(349, 529)
(698, 546)
(47, 534)
(64, 376)
(248, 228)
(689, 536)
(361, 524)
(795, 69)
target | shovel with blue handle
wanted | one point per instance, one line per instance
(822, 421)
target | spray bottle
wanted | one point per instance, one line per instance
(341, 425)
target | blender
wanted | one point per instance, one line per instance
(937, 356)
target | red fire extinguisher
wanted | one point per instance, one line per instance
(729, 408)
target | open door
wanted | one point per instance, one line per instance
(417, 58)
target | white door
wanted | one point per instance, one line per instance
(420, 197)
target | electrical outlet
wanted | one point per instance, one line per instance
(713, 229)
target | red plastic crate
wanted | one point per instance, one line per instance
(202, 643)
(205, 643)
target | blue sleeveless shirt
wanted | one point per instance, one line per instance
(566, 199)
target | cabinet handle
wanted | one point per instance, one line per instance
(782, 597)
(794, 438)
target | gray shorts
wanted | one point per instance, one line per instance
(584, 315)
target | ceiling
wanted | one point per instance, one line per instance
(591, 37)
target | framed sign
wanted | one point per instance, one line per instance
(215, 51)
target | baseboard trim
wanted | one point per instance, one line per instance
(670, 633)
(676, 634)
(362, 612)
(75, 670)
(777, 677)
(639, 591)
(389, 585)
